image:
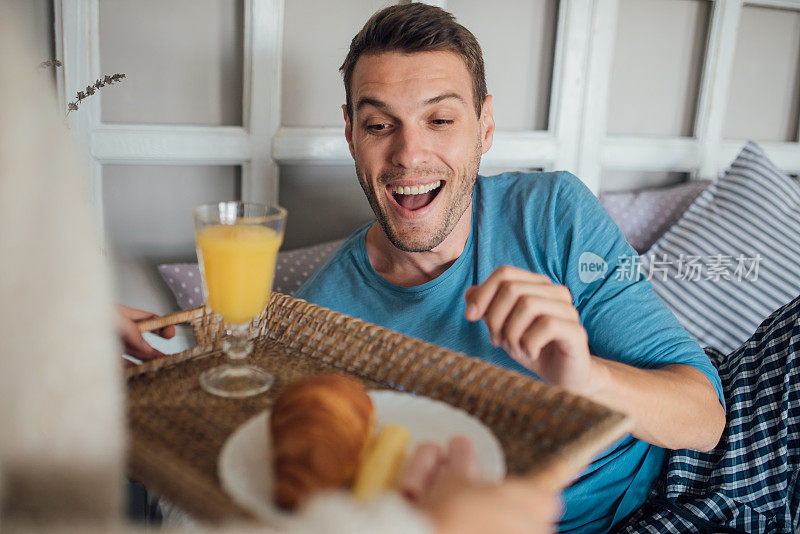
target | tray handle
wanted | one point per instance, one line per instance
(183, 316)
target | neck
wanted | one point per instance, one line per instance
(407, 269)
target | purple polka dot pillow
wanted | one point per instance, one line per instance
(293, 269)
(644, 216)
(184, 281)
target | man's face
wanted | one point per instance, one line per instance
(417, 142)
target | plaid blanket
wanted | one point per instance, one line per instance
(749, 482)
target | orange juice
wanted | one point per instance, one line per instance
(238, 262)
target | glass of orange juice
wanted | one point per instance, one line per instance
(237, 246)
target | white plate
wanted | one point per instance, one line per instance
(244, 461)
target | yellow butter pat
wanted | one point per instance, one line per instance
(382, 461)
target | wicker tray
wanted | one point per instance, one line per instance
(177, 430)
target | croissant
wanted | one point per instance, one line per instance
(319, 427)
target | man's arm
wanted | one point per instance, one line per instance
(538, 325)
(674, 407)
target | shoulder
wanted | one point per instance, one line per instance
(541, 184)
(340, 269)
(549, 194)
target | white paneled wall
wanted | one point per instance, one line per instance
(327, 199)
(708, 151)
(764, 94)
(183, 66)
(137, 221)
(624, 93)
(315, 42)
(519, 59)
(656, 67)
(148, 214)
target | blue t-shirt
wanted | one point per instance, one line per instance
(547, 223)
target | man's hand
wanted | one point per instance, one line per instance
(674, 406)
(135, 345)
(536, 322)
(445, 486)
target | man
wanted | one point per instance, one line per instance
(492, 266)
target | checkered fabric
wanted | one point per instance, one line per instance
(749, 483)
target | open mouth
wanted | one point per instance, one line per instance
(416, 197)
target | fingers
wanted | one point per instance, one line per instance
(526, 311)
(430, 465)
(507, 297)
(479, 297)
(461, 458)
(132, 337)
(134, 314)
(443, 486)
(168, 332)
(511, 299)
(546, 330)
(135, 344)
(419, 471)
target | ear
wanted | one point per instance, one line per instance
(348, 131)
(487, 124)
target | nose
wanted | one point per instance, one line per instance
(409, 149)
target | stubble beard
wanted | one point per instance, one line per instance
(415, 239)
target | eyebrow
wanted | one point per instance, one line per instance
(440, 98)
(383, 106)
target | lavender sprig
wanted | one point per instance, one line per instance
(49, 63)
(92, 89)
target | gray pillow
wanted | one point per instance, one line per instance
(734, 256)
(644, 216)
(293, 268)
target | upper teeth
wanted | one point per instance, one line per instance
(416, 190)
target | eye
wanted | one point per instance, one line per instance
(442, 122)
(378, 127)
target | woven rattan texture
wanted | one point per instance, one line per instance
(178, 430)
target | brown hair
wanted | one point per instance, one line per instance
(416, 27)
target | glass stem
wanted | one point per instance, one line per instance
(237, 345)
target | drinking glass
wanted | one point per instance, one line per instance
(237, 245)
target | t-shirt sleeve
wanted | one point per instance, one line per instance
(624, 319)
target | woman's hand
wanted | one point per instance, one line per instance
(135, 345)
(445, 486)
